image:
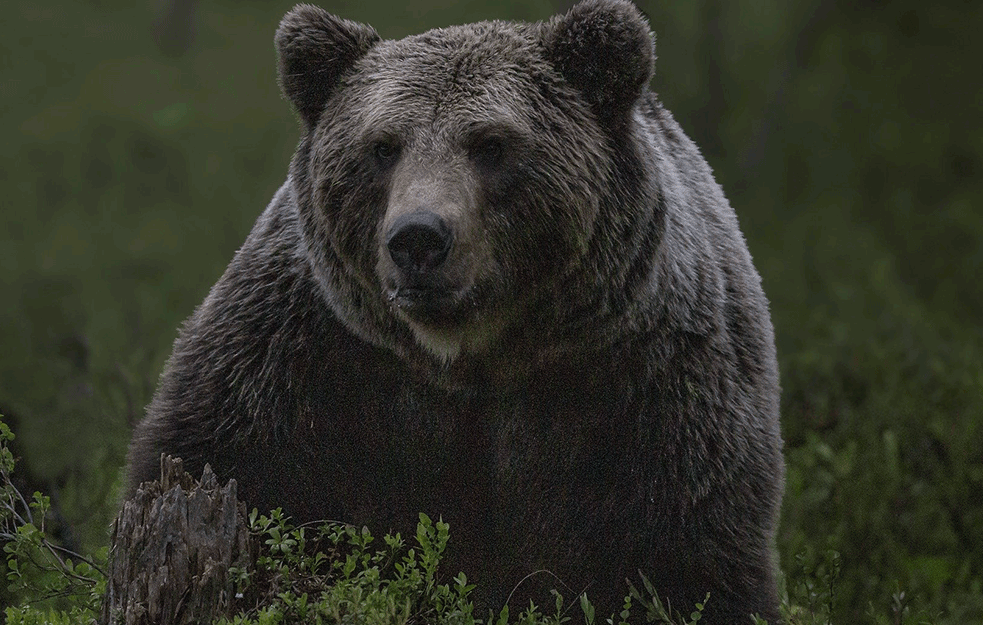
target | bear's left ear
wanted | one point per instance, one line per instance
(605, 49)
(314, 49)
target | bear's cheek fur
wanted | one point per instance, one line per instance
(347, 202)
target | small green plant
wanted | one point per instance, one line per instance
(62, 586)
(814, 588)
(336, 574)
(656, 611)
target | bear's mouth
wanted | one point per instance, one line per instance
(429, 305)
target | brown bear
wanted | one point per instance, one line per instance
(502, 287)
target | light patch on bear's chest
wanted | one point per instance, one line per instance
(479, 335)
(444, 344)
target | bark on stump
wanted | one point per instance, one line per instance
(172, 545)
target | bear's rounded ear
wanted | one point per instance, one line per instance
(605, 49)
(314, 49)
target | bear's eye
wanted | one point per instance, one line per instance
(386, 152)
(488, 152)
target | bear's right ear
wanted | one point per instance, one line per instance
(314, 49)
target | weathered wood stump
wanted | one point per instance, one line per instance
(172, 545)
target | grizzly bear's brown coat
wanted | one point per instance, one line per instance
(499, 286)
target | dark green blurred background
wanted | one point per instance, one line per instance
(140, 145)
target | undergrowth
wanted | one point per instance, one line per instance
(334, 573)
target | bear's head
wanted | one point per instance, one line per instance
(462, 191)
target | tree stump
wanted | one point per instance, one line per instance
(172, 545)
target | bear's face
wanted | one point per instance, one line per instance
(450, 179)
(448, 185)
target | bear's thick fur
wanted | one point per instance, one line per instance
(502, 287)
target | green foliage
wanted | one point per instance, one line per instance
(335, 574)
(37, 567)
(28, 615)
(658, 612)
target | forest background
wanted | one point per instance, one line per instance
(139, 145)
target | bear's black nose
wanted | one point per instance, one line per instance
(419, 242)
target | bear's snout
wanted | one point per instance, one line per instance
(419, 242)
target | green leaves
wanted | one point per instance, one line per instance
(336, 573)
(37, 566)
(655, 610)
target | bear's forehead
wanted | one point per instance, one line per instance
(486, 60)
